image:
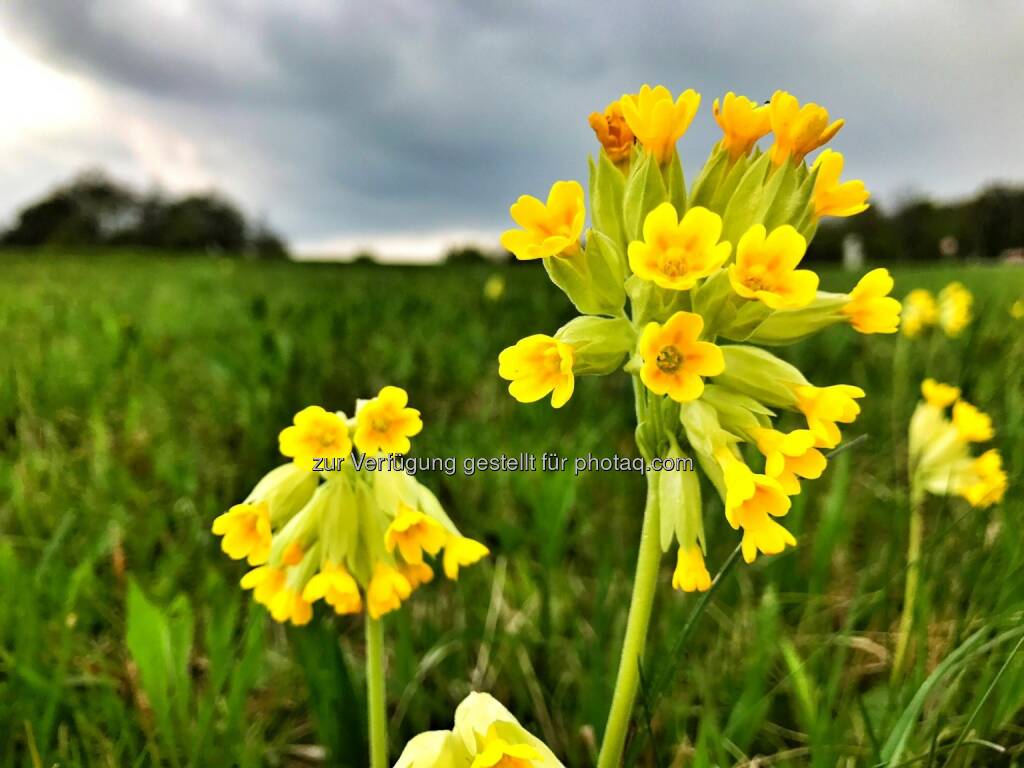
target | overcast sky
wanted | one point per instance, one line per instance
(408, 124)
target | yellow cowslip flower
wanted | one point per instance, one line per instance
(919, 312)
(742, 122)
(691, 575)
(1017, 309)
(676, 253)
(246, 532)
(938, 394)
(336, 586)
(751, 503)
(824, 406)
(955, 308)
(460, 551)
(414, 533)
(832, 197)
(871, 309)
(486, 735)
(385, 423)
(798, 130)
(538, 365)
(613, 132)
(973, 425)
(548, 229)
(494, 288)
(315, 433)
(984, 483)
(388, 588)
(674, 360)
(789, 456)
(656, 120)
(349, 534)
(765, 268)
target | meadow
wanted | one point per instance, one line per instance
(141, 397)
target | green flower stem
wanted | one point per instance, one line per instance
(913, 580)
(376, 703)
(628, 677)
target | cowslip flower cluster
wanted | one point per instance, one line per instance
(941, 461)
(486, 735)
(322, 528)
(951, 311)
(667, 273)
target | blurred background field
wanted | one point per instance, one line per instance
(140, 398)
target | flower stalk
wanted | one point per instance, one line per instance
(911, 587)
(376, 701)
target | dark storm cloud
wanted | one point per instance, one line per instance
(339, 117)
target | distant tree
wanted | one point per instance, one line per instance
(94, 211)
(465, 255)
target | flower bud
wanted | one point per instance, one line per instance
(761, 375)
(599, 344)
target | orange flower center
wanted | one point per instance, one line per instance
(669, 359)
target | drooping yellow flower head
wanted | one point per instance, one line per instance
(823, 407)
(385, 423)
(675, 361)
(939, 395)
(246, 532)
(691, 575)
(790, 456)
(871, 309)
(984, 483)
(486, 735)
(414, 533)
(765, 268)
(314, 434)
(798, 130)
(459, 552)
(548, 229)
(537, 365)
(973, 425)
(613, 132)
(955, 308)
(656, 120)
(832, 197)
(919, 312)
(751, 502)
(742, 122)
(676, 253)
(347, 533)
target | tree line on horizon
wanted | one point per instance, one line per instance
(94, 211)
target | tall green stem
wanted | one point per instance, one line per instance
(913, 580)
(376, 704)
(628, 676)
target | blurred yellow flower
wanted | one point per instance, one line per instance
(832, 197)
(824, 406)
(460, 551)
(742, 122)
(414, 533)
(973, 425)
(751, 503)
(548, 229)
(955, 308)
(537, 365)
(388, 588)
(336, 586)
(674, 360)
(315, 433)
(676, 253)
(871, 309)
(938, 394)
(1017, 309)
(984, 482)
(919, 312)
(798, 130)
(613, 132)
(385, 423)
(656, 120)
(246, 532)
(417, 574)
(691, 575)
(790, 456)
(765, 268)
(287, 605)
(494, 288)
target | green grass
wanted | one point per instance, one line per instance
(139, 398)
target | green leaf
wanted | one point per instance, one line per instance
(607, 187)
(675, 184)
